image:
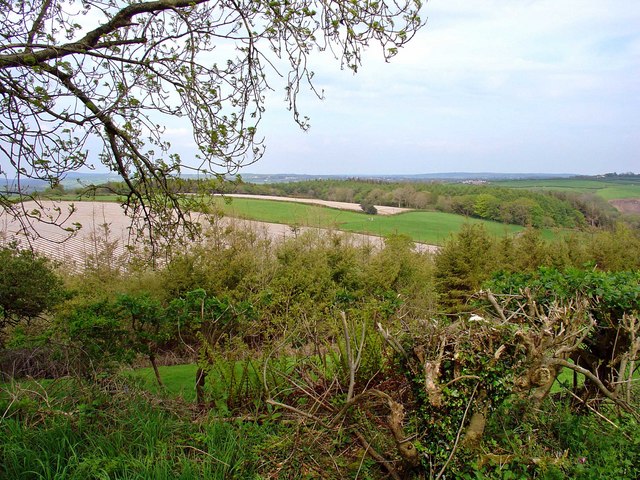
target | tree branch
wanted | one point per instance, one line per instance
(607, 393)
(91, 40)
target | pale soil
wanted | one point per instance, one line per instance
(382, 209)
(627, 205)
(54, 242)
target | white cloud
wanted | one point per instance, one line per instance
(501, 85)
(541, 81)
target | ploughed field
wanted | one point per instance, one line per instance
(278, 219)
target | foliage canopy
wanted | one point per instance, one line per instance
(28, 286)
(108, 75)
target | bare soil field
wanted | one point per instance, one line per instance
(105, 221)
(627, 205)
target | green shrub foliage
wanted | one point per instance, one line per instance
(29, 287)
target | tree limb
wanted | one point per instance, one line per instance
(606, 392)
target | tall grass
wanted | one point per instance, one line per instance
(95, 433)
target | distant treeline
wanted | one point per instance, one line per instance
(488, 202)
(515, 206)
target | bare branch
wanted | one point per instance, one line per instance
(597, 382)
(67, 88)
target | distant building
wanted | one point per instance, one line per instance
(474, 182)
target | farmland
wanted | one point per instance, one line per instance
(167, 315)
(608, 188)
(425, 227)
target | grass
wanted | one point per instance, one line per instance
(116, 431)
(421, 226)
(432, 228)
(121, 433)
(179, 380)
(620, 192)
(606, 188)
(427, 227)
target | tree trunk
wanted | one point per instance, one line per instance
(542, 379)
(152, 359)
(474, 432)
(201, 377)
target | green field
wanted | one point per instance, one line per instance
(179, 380)
(426, 227)
(421, 226)
(609, 189)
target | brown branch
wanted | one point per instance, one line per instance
(350, 362)
(607, 393)
(377, 457)
(204, 453)
(91, 40)
(391, 341)
(496, 306)
(592, 409)
(299, 412)
(37, 24)
(571, 348)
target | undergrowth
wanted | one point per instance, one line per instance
(72, 430)
(557, 442)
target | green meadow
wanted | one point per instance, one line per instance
(605, 188)
(427, 227)
(421, 226)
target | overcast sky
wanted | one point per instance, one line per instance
(487, 86)
(510, 86)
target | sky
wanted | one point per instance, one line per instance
(505, 86)
(517, 86)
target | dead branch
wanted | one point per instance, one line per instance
(566, 349)
(377, 457)
(297, 411)
(597, 382)
(592, 409)
(496, 306)
(391, 341)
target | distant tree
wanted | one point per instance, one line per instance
(403, 195)
(368, 208)
(340, 194)
(422, 200)
(463, 205)
(376, 196)
(522, 211)
(486, 206)
(109, 74)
